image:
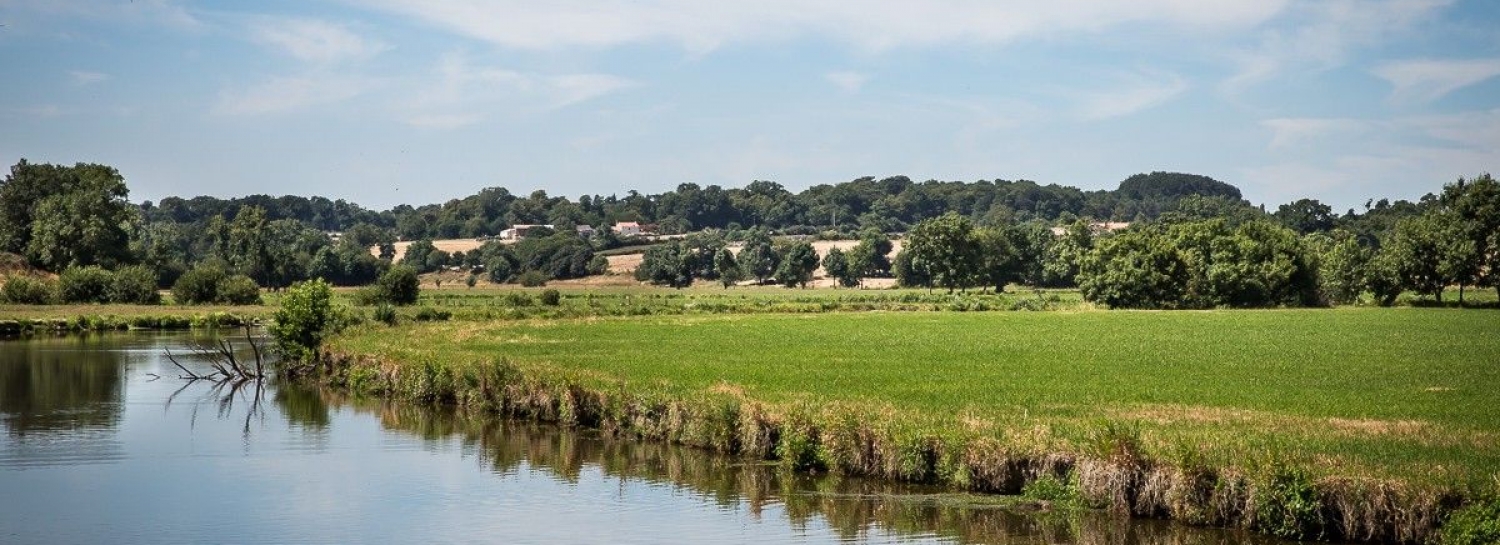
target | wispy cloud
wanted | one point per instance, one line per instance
(84, 77)
(283, 94)
(1287, 132)
(314, 41)
(849, 81)
(871, 24)
(464, 93)
(1323, 34)
(158, 12)
(1429, 80)
(1130, 94)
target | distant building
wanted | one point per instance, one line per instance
(1097, 228)
(628, 229)
(518, 232)
(586, 231)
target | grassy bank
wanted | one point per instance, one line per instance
(1354, 423)
(34, 319)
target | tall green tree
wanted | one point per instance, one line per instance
(999, 264)
(1344, 268)
(1061, 260)
(947, 249)
(758, 258)
(798, 264)
(836, 265)
(729, 270)
(63, 217)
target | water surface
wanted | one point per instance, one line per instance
(101, 442)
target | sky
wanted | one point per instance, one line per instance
(383, 102)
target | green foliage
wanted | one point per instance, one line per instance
(1475, 524)
(64, 217)
(1306, 216)
(27, 290)
(910, 274)
(550, 297)
(836, 265)
(948, 249)
(417, 255)
(305, 318)
(385, 313)
(999, 263)
(471, 280)
(198, 286)
(758, 258)
(533, 279)
(870, 258)
(1060, 493)
(729, 269)
(134, 285)
(598, 265)
(90, 284)
(398, 286)
(797, 265)
(668, 265)
(237, 290)
(1344, 268)
(1062, 259)
(429, 314)
(560, 256)
(1287, 504)
(1201, 265)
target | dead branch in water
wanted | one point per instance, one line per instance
(226, 365)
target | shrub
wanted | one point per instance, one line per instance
(238, 290)
(135, 285)
(429, 314)
(551, 297)
(26, 290)
(303, 320)
(499, 270)
(1473, 525)
(85, 285)
(533, 279)
(198, 286)
(598, 265)
(385, 313)
(398, 286)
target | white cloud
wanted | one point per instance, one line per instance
(1429, 80)
(464, 93)
(850, 82)
(314, 41)
(1322, 34)
(1133, 93)
(1288, 132)
(873, 24)
(84, 77)
(284, 94)
(161, 12)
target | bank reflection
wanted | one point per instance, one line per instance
(852, 506)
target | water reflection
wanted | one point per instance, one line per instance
(852, 507)
(306, 465)
(60, 384)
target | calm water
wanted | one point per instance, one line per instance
(100, 442)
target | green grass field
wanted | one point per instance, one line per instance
(1406, 395)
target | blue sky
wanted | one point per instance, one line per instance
(416, 101)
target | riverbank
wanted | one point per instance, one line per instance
(32, 320)
(1360, 424)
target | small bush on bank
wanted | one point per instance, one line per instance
(85, 285)
(385, 314)
(134, 285)
(551, 298)
(238, 290)
(199, 286)
(306, 316)
(1476, 524)
(26, 290)
(533, 279)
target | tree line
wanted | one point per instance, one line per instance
(72, 217)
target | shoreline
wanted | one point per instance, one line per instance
(1284, 501)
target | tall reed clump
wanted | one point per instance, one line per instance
(1110, 469)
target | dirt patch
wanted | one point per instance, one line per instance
(464, 245)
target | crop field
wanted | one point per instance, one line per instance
(1398, 395)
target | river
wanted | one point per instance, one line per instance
(102, 442)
